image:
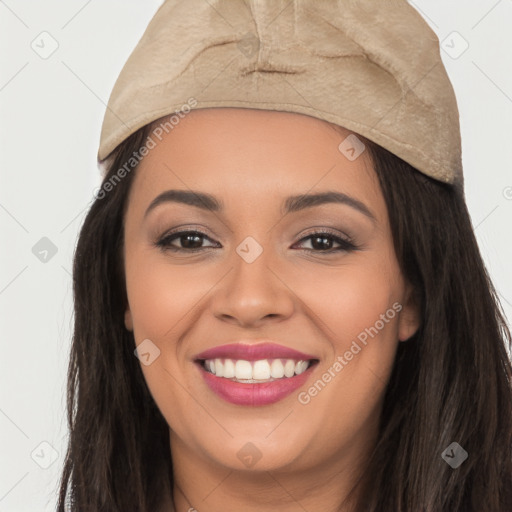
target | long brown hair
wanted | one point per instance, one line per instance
(451, 382)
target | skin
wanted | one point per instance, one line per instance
(318, 303)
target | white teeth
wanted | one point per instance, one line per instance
(300, 367)
(229, 369)
(243, 369)
(261, 370)
(277, 369)
(289, 368)
(219, 368)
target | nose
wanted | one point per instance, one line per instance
(252, 293)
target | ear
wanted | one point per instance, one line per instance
(410, 317)
(128, 321)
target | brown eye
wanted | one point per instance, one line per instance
(188, 241)
(323, 242)
(192, 241)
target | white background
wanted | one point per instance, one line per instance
(50, 121)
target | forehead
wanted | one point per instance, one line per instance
(249, 155)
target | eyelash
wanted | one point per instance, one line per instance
(345, 245)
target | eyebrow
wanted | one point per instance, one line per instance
(291, 204)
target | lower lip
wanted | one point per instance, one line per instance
(264, 393)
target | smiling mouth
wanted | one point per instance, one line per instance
(254, 372)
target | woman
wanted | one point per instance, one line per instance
(279, 299)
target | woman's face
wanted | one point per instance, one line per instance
(258, 274)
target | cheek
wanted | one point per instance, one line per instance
(163, 300)
(358, 308)
(161, 295)
(349, 300)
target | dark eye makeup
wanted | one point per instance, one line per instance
(191, 241)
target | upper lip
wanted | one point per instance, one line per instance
(250, 351)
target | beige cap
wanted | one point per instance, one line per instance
(373, 67)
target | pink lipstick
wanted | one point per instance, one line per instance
(254, 374)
